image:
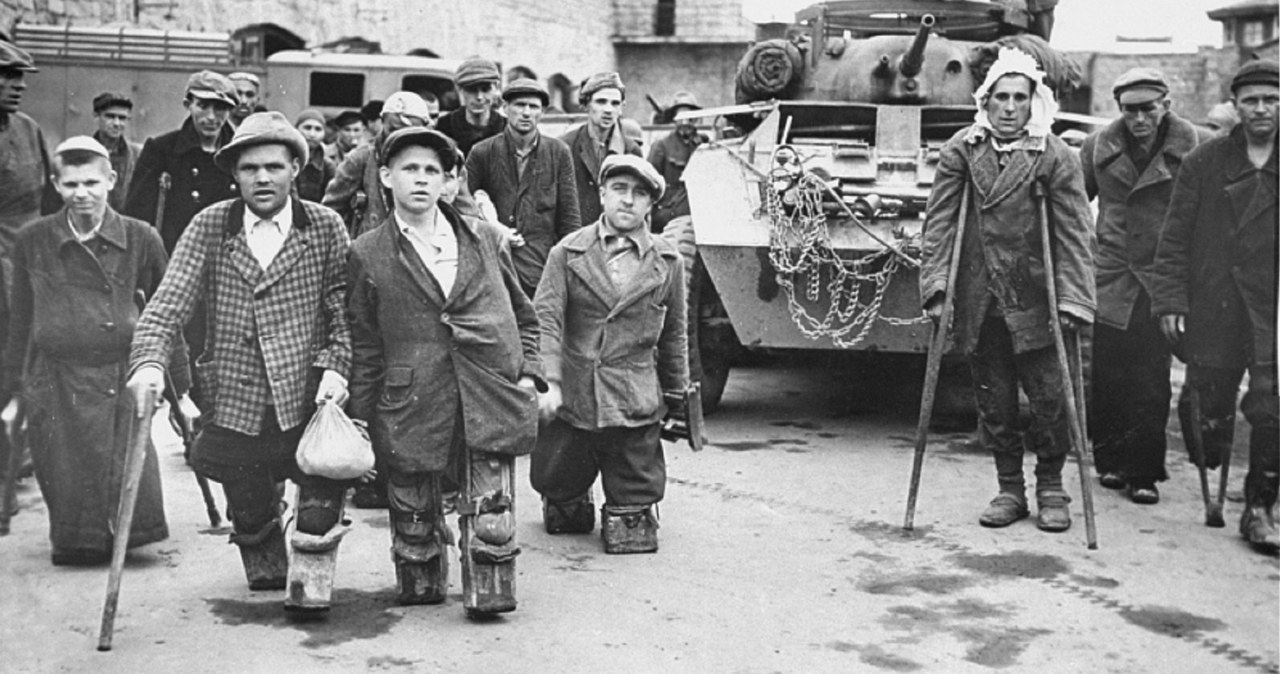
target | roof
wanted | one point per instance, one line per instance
(1245, 8)
(358, 62)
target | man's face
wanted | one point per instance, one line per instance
(1008, 105)
(351, 135)
(416, 179)
(1257, 105)
(12, 84)
(112, 121)
(265, 174)
(312, 130)
(84, 188)
(207, 115)
(524, 113)
(626, 201)
(478, 97)
(1143, 113)
(248, 95)
(604, 108)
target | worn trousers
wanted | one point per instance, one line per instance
(1218, 389)
(629, 461)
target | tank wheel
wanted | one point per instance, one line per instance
(712, 342)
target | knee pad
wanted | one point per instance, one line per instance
(575, 516)
(629, 529)
(319, 509)
(419, 536)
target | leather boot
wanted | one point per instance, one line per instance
(1052, 502)
(575, 516)
(628, 529)
(1258, 521)
(1010, 505)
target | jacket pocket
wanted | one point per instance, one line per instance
(397, 388)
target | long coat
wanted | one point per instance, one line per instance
(271, 332)
(1131, 208)
(542, 204)
(423, 360)
(586, 168)
(25, 189)
(195, 181)
(1002, 260)
(613, 351)
(1216, 262)
(75, 307)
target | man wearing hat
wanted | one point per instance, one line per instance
(318, 172)
(77, 276)
(529, 178)
(670, 155)
(477, 81)
(445, 370)
(371, 113)
(1214, 288)
(603, 95)
(611, 309)
(271, 270)
(1130, 166)
(24, 156)
(248, 91)
(112, 112)
(351, 129)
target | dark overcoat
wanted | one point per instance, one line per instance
(422, 360)
(1001, 259)
(1216, 261)
(586, 168)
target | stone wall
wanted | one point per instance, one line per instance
(1197, 81)
(706, 70)
(694, 19)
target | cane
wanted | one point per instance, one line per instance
(934, 363)
(182, 426)
(1212, 509)
(1075, 427)
(140, 437)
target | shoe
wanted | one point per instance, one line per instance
(577, 516)
(1145, 494)
(1004, 509)
(1258, 526)
(1112, 480)
(1052, 511)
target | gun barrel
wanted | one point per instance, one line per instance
(913, 60)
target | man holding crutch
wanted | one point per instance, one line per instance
(1002, 305)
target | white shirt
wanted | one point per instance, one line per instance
(267, 237)
(84, 238)
(438, 252)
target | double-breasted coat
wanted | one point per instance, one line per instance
(424, 360)
(612, 350)
(1217, 257)
(1001, 259)
(586, 168)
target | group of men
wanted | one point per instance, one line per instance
(1182, 260)
(451, 334)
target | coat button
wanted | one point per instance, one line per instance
(108, 326)
(195, 195)
(111, 391)
(444, 317)
(195, 171)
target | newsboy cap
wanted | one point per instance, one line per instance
(347, 117)
(615, 164)
(82, 144)
(526, 87)
(1146, 79)
(684, 99)
(476, 69)
(1256, 72)
(599, 81)
(245, 77)
(111, 99)
(262, 128)
(406, 103)
(13, 57)
(211, 86)
(420, 136)
(309, 113)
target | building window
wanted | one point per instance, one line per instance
(664, 18)
(337, 90)
(1251, 33)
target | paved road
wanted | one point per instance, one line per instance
(781, 552)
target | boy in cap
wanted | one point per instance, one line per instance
(351, 128)
(445, 370)
(318, 172)
(611, 309)
(477, 81)
(112, 111)
(670, 155)
(603, 95)
(529, 178)
(1130, 166)
(1214, 288)
(248, 88)
(80, 276)
(272, 272)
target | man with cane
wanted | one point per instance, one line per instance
(1003, 309)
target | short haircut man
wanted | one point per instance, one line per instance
(249, 94)
(478, 84)
(603, 95)
(112, 112)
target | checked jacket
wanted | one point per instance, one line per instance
(270, 332)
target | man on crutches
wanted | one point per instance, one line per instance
(1003, 312)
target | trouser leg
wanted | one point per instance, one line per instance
(254, 510)
(995, 389)
(633, 473)
(319, 528)
(1218, 389)
(486, 517)
(419, 537)
(1262, 408)
(562, 469)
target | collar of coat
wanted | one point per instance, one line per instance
(1240, 164)
(189, 139)
(1112, 144)
(977, 134)
(593, 235)
(235, 219)
(111, 231)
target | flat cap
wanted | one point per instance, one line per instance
(13, 57)
(526, 87)
(476, 69)
(309, 113)
(599, 81)
(421, 136)
(262, 128)
(407, 103)
(1256, 72)
(372, 110)
(81, 144)
(615, 164)
(211, 86)
(347, 117)
(111, 99)
(245, 77)
(684, 99)
(1148, 79)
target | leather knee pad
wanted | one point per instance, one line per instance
(319, 508)
(251, 504)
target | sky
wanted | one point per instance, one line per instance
(1088, 25)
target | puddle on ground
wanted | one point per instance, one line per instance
(935, 584)
(993, 644)
(805, 425)
(1013, 564)
(875, 656)
(882, 532)
(356, 614)
(1095, 581)
(752, 445)
(997, 647)
(389, 662)
(1170, 621)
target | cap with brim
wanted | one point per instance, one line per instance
(347, 117)
(262, 128)
(616, 164)
(245, 77)
(684, 99)
(475, 70)
(1142, 84)
(371, 110)
(211, 86)
(81, 144)
(1256, 72)
(13, 57)
(525, 87)
(600, 81)
(420, 136)
(111, 99)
